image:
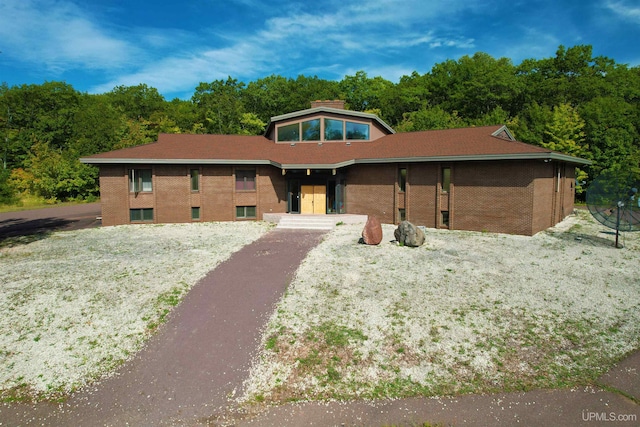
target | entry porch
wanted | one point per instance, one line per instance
(311, 221)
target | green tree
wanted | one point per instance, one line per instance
(219, 106)
(251, 124)
(474, 86)
(307, 89)
(565, 134)
(612, 131)
(270, 96)
(7, 192)
(43, 112)
(363, 93)
(183, 114)
(495, 117)
(531, 123)
(95, 126)
(59, 178)
(410, 94)
(429, 119)
(573, 76)
(137, 102)
(135, 132)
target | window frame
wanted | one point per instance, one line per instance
(326, 135)
(356, 124)
(306, 126)
(137, 181)
(245, 174)
(194, 179)
(445, 176)
(143, 217)
(445, 219)
(290, 128)
(245, 210)
(195, 210)
(402, 180)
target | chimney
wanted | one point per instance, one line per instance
(336, 103)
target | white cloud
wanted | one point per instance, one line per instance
(58, 35)
(183, 73)
(325, 38)
(625, 10)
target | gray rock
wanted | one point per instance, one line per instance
(408, 234)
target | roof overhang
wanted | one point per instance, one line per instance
(546, 157)
(465, 158)
(134, 161)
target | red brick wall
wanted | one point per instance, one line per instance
(217, 187)
(172, 198)
(570, 191)
(544, 195)
(114, 193)
(508, 197)
(370, 190)
(422, 181)
(552, 202)
(496, 197)
(172, 191)
(272, 191)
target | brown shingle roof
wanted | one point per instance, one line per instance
(481, 143)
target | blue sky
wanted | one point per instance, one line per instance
(96, 45)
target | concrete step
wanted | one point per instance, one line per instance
(306, 222)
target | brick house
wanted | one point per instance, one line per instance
(328, 160)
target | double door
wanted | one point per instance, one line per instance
(313, 199)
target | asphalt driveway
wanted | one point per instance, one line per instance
(38, 221)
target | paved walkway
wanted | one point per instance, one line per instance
(582, 407)
(200, 357)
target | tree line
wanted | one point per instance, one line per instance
(572, 102)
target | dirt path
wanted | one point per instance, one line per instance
(200, 357)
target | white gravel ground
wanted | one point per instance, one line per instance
(76, 304)
(466, 312)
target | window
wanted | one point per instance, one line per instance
(245, 180)
(289, 132)
(333, 130)
(357, 130)
(311, 130)
(446, 179)
(402, 214)
(402, 179)
(195, 214)
(141, 215)
(140, 180)
(444, 218)
(195, 179)
(245, 211)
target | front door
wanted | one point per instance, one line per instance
(314, 199)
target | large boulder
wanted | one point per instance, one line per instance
(372, 232)
(408, 234)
